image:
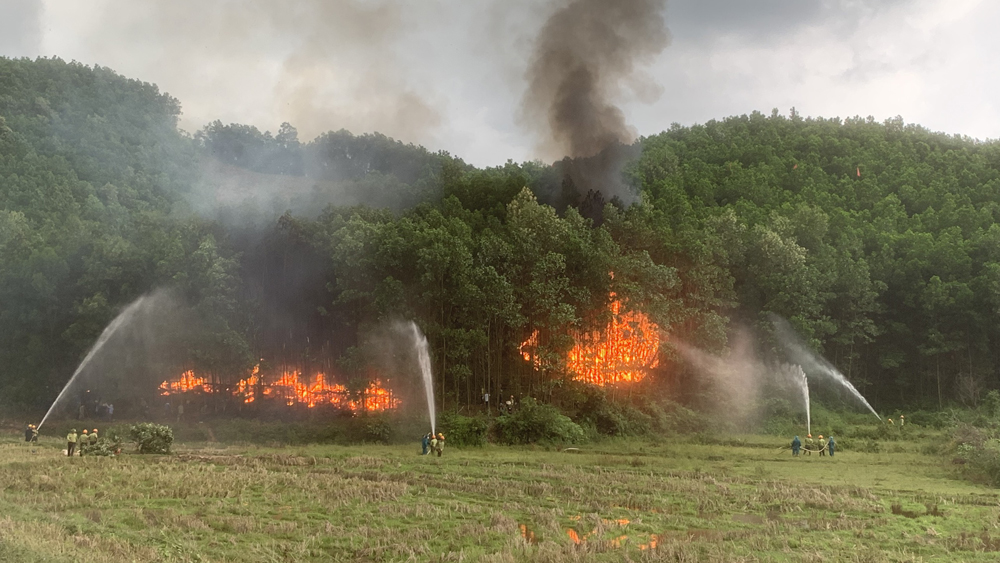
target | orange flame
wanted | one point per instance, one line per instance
(623, 352)
(186, 382)
(291, 388)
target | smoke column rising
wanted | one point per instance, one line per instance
(585, 55)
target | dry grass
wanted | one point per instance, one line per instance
(688, 503)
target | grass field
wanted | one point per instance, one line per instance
(613, 501)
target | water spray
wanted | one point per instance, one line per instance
(126, 315)
(804, 384)
(810, 362)
(424, 359)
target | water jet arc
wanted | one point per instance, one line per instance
(126, 315)
(424, 361)
(810, 362)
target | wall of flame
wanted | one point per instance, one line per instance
(291, 388)
(623, 352)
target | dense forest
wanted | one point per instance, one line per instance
(877, 240)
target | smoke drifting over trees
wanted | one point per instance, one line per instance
(321, 65)
(883, 253)
(585, 55)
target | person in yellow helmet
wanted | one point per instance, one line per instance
(821, 444)
(70, 442)
(440, 443)
(810, 444)
(83, 442)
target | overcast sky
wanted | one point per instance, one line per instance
(450, 74)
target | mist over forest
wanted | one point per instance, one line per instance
(876, 240)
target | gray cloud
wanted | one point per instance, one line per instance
(766, 21)
(20, 27)
(697, 18)
(450, 74)
(319, 64)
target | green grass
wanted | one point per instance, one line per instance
(744, 502)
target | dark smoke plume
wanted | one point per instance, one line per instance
(584, 56)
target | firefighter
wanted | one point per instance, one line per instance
(821, 444)
(34, 433)
(84, 441)
(434, 443)
(440, 444)
(27, 432)
(796, 444)
(70, 442)
(93, 439)
(809, 444)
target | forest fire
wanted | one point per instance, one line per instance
(623, 352)
(291, 388)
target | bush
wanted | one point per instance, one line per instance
(982, 462)
(607, 417)
(990, 404)
(105, 446)
(151, 438)
(537, 422)
(671, 417)
(377, 429)
(464, 430)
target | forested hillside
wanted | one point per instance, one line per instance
(91, 167)
(877, 240)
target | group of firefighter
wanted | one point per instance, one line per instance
(820, 445)
(433, 443)
(81, 443)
